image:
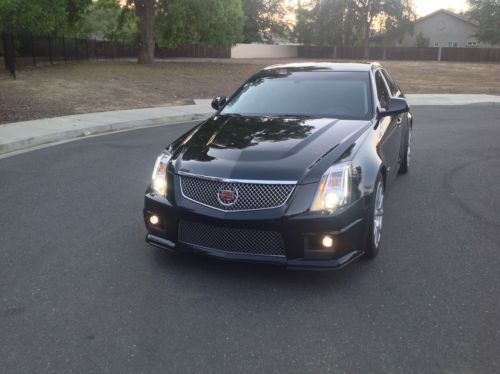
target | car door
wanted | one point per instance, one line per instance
(395, 91)
(390, 127)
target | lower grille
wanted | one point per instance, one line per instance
(245, 241)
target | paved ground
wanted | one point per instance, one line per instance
(80, 291)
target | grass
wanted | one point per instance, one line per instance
(63, 89)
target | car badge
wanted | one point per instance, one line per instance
(227, 196)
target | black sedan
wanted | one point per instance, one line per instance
(292, 169)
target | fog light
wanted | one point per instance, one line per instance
(327, 241)
(154, 219)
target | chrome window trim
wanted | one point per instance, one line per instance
(226, 180)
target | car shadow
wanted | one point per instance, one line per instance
(260, 275)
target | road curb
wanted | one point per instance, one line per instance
(81, 132)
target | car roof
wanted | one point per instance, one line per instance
(326, 66)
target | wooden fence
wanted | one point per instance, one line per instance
(402, 53)
(471, 54)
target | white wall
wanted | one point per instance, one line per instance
(264, 51)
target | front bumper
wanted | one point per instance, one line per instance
(301, 232)
(298, 263)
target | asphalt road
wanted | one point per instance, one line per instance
(81, 292)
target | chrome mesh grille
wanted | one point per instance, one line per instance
(251, 196)
(245, 241)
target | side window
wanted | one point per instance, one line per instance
(382, 93)
(392, 86)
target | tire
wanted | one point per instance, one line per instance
(374, 233)
(405, 164)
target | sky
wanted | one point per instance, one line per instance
(424, 7)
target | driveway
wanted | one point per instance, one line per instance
(80, 291)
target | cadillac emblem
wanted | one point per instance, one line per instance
(227, 195)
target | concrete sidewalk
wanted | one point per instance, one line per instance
(451, 99)
(23, 135)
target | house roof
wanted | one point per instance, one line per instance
(462, 18)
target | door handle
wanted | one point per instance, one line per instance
(399, 121)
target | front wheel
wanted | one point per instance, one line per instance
(376, 219)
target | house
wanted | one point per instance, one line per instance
(443, 28)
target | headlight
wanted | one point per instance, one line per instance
(159, 178)
(334, 189)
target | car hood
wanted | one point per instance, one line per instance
(264, 148)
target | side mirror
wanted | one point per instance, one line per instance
(219, 102)
(395, 106)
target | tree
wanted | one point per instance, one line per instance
(41, 17)
(352, 22)
(337, 22)
(328, 22)
(305, 30)
(264, 18)
(145, 11)
(396, 20)
(107, 19)
(217, 23)
(487, 14)
(421, 41)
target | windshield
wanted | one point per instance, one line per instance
(344, 95)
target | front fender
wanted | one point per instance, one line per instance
(367, 164)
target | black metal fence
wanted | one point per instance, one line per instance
(23, 50)
(8, 53)
(53, 49)
(26, 49)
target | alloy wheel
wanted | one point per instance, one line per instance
(408, 149)
(378, 214)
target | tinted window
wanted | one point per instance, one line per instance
(318, 94)
(382, 93)
(392, 86)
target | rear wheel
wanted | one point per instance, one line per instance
(405, 164)
(376, 219)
